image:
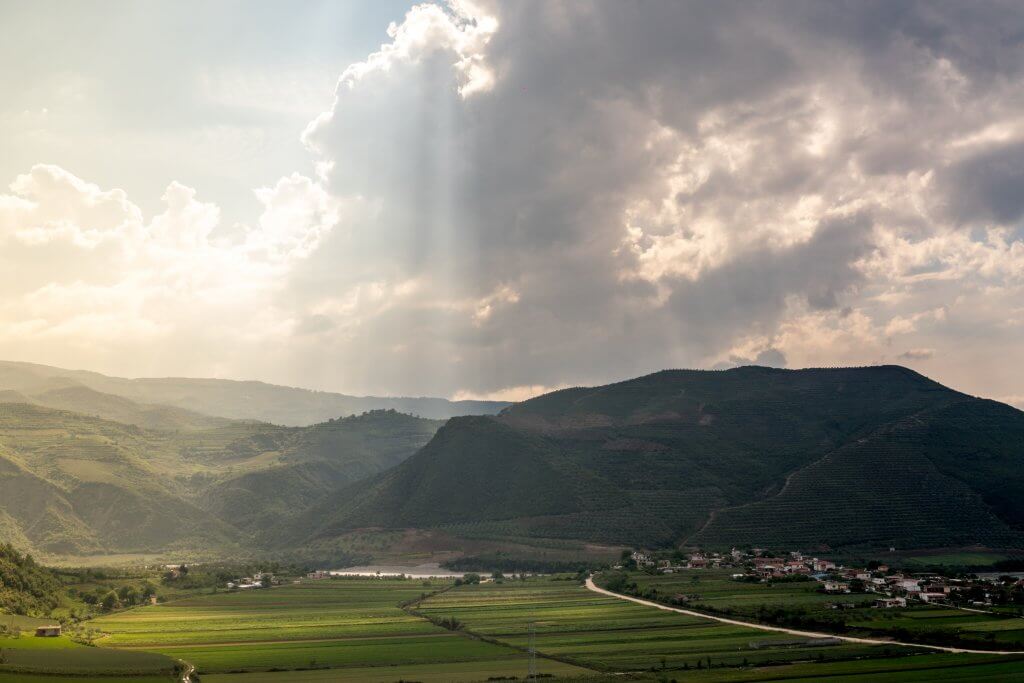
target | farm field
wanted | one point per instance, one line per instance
(30, 656)
(801, 605)
(333, 624)
(577, 626)
(947, 668)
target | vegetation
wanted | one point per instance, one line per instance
(26, 588)
(350, 623)
(803, 605)
(872, 457)
(72, 484)
(574, 625)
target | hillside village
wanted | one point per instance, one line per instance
(893, 587)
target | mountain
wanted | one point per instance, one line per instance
(74, 483)
(169, 401)
(871, 457)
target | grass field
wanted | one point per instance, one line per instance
(714, 590)
(352, 624)
(355, 630)
(24, 658)
(576, 625)
(12, 621)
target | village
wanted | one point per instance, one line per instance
(893, 588)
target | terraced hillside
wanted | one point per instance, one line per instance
(859, 456)
(76, 484)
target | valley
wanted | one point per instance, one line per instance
(142, 516)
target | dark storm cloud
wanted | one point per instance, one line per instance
(988, 186)
(642, 185)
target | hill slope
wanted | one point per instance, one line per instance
(216, 397)
(74, 484)
(26, 587)
(873, 456)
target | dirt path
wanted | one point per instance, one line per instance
(794, 632)
(187, 671)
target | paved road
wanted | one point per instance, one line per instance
(794, 632)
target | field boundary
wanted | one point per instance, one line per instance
(795, 632)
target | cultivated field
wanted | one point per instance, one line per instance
(27, 657)
(607, 634)
(352, 624)
(799, 604)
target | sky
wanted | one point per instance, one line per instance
(492, 199)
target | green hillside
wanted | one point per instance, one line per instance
(25, 587)
(73, 484)
(857, 456)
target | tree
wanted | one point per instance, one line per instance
(110, 602)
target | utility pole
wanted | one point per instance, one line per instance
(532, 676)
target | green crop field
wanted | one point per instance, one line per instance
(30, 656)
(576, 625)
(800, 604)
(357, 630)
(607, 634)
(351, 624)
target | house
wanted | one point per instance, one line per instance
(930, 597)
(697, 562)
(823, 565)
(641, 559)
(836, 587)
(768, 563)
(48, 631)
(910, 585)
(888, 603)
(319, 574)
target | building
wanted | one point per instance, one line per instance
(888, 603)
(48, 631)
(836, 587)
(697, 562)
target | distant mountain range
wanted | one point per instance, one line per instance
(815, 459)
(68, 389)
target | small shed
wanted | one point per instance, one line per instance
(48, 631)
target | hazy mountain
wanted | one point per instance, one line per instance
(214, 397)
(73, 483)
(872, 456)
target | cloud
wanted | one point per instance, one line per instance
(88, 276)
(530, 194)
(917, 354)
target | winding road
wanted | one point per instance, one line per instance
(793, 632)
